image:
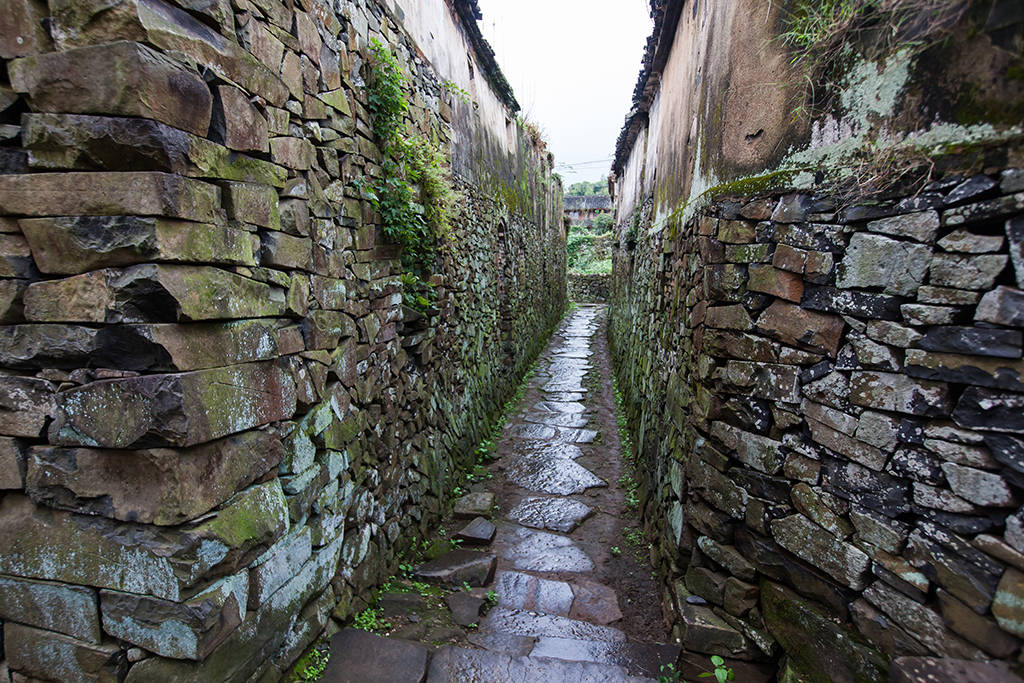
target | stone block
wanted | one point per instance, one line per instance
(774, 382)
(922, 226)
(294, 153)
(12, 464)
(180, 630)
(846, 445)
(1008, 606)
(947, 296)
(964, 242)
(285, 561)
(61, 546)
(71, 610)
(978, 486)
(1002, 306)
(122, 78)
(255, 204)
(925, 624)
(77, 244)
(790, 258)
(728, 318)
(174, 409)
(718, 490)
(245, 128)
(704, 631)
(22, 31)
(892, 334)
(779, 283)
(873, 261)
(899, 393)
(26, 403)
(979, 341)
(974, 628)
(806, 329)
(986, 372)
(171, 29)
(967, 272)
(990, 410)
(101, 143)
(109, 194)
(753, 450)
(326, 329)
(48, 656)
(1015, 235)
(154, 486)
(280, 250)
(851, 302)
(152, 293)
(811, 543)
(811, 637)
(914, 669)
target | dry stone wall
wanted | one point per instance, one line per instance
(219, 421)
(824, 386)
(589, 288)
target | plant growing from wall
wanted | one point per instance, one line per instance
(822, 33)
(414, 195)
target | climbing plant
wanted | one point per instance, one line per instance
(414, 194)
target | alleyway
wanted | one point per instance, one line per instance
(575, 599)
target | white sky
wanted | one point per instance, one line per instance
(572, 65)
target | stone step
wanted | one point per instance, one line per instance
(639, 659)
(463, 665)
(358, 656)
(458, 566)
(523, 623)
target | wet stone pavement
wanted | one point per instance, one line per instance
(565, 611)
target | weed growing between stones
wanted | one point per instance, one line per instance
(312, 665)
(627, 482)
(721, 673)
(822, 34)
(415, 195)
(371, 619)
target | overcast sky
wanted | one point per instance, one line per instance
(573, 65)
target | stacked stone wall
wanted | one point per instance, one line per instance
(816, 321)
(591, 288)
(828, 407)
(219, 422)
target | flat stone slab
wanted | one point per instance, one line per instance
(595, 602)
(458, 566)
(546, 451)
(566, 396)
(401, 604)
(358, 656)
(532, 431)
(464, 607)
(558, 407)
(641, 659)
(523, 591)
(516, 646)
(556, 476)
(523, 623)
(539, 551)
(570, 420)
(931, 669)
(556, 514)
(463, 665)
(474, 505)
(478, 532)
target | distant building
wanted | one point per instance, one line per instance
(584, 209)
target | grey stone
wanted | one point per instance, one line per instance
(874, 261)
(474, 505)
(458, 566)
(967, 272)
(974, 340)
(921, 226)
(1002, 306)
(539, 551)
(454, 664)
(989, 410)
(925, 624)
(1015, 234)
(464, 607)
(973, 187)
(554, 513)
(71, 610)
(812, 543)
(898, 393)
(917, 669)
(359, 656)
(26, 403)
(978, 486)
(523, 623)
(478, 532)
(44, 655)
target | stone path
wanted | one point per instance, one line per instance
(557, 618)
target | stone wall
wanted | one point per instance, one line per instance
(220, 422)
(590, 288)
(823, 378)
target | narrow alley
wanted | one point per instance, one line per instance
(573, 594)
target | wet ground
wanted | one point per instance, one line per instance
(555, 586)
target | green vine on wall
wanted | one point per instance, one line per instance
(414, 194)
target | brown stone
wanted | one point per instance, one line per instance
(256, 204)
(25, 405)
(155, 486)
(809, 329)
(295, 153)
(177, 410)
(789, 258)
(109, 194)
(245, 128)
(22, 31)
(1008, 606)
(780, 283)
(123, 78)
(12, 464)
(975, 628)
(810, 542)
(151, 293)
(70, 245)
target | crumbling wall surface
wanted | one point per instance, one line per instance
(823, 369)
(219, 421)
